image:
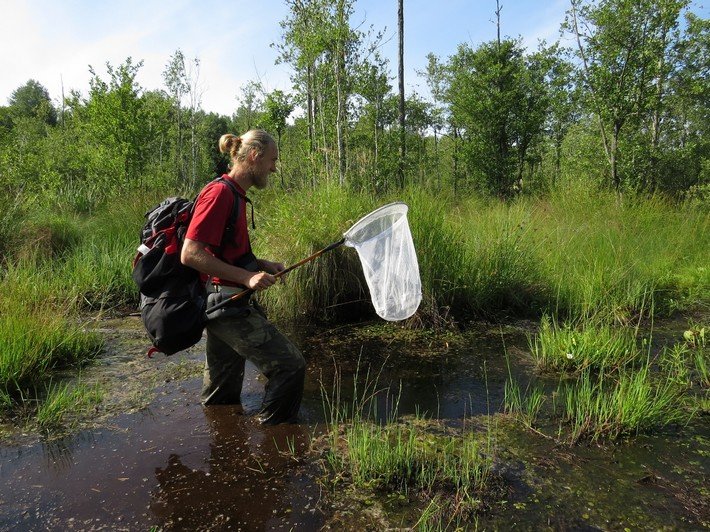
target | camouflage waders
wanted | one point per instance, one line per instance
(244, 333)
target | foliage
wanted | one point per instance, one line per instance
(32, 101)
(633, 78)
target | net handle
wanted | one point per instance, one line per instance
(250, 291)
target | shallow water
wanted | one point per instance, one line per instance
(178, 465)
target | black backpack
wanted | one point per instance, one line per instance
(172, 295)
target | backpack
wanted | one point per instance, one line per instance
(172, 295)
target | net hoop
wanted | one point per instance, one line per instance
(354, 235)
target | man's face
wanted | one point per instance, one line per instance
(264, 166)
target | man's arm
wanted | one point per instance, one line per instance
(196, 256)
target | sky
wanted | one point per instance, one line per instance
(55, 41)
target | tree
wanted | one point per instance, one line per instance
(31, 100)
(323, 50)
(564, 102)
(623, 47)
(114, 126)
(499, 100)
(250, 106)
(372, 84)
(277, 108)
(175, 77)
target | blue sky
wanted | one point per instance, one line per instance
(51, 41)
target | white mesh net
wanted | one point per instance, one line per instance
(384, 244)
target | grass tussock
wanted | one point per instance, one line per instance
(610, 387)
(33, 345)
(411, 457)
(587, 344)
(62, 401)
(598, 407)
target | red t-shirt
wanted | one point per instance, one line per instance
(213, 209)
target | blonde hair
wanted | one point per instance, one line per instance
(238, 148)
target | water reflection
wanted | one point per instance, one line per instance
(249, 481)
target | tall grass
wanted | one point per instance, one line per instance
(291, 227)
(575, 254)
(501, 271)
(60, 264)
(602, 253)
(33, 344)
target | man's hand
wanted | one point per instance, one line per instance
(272, 267)
(261, 281)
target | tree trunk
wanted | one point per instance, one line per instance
(402, 133)
(615, 180)
(340, 92)
(311, 111)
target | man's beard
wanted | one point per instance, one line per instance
(260, 181)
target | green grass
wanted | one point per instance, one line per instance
(64, 400)
(524, 405)
(34, 344)
(701, 359)
(411, 457)
(605, 254)
(61, 265)
(632, 401)
(609, 386)
(587, 344)
(293, 226)
(574, 254)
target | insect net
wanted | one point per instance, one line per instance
(384, 244)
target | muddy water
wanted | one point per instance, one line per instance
(174, 464)
(177, 465)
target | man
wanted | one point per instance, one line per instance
(241, 332)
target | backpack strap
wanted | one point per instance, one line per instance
(248, 258)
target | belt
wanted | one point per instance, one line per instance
(224, 290)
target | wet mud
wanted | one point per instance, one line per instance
(155, 458)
